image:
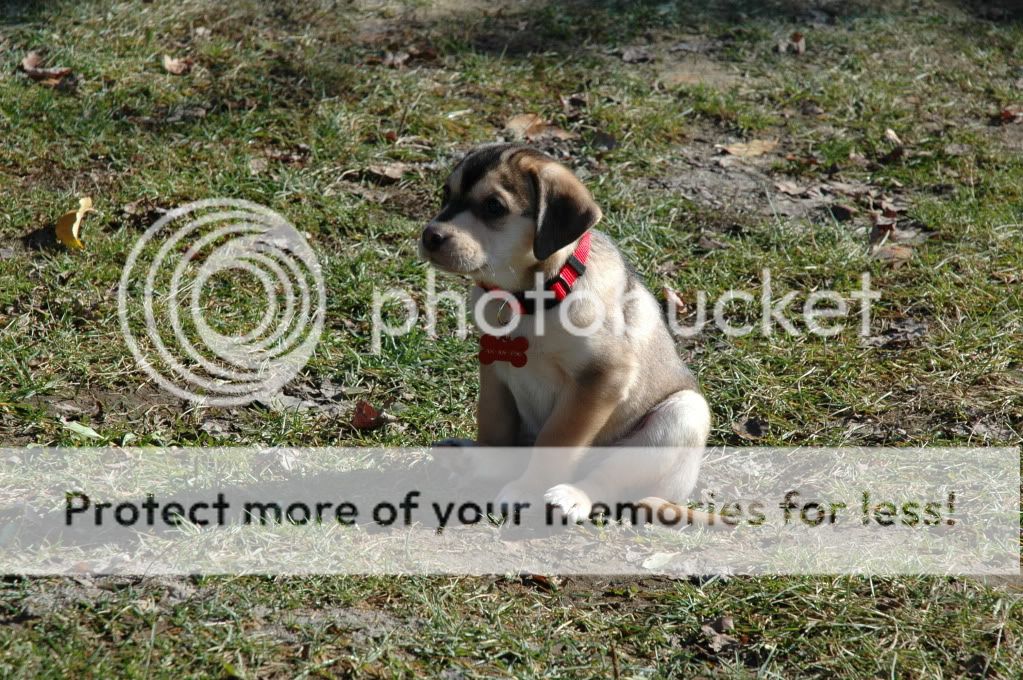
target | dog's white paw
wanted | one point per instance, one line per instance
(571, 500)
(516, 495)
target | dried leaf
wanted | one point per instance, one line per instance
(707, 244)
(366, 416)
(790, 188)
(1008, 276)
(891, 209)
(718, 642)
(32, 62)
(806, 161)
(882, 220)
(900, 334)
(142, 212)
(883, 229)
(136, 208)
(797, 43)
(395, 59)
(177, 67)
(812, 109)
(893, 253)
(852, 189)
(756, 147)
(843, 211)
(257, 165)
(1011, 114)
(58, 76)
(636, 55)
(554, 132)
(545, 582)
(890, 135)
(674, 300)
(406, 56)
(721, 624)
(424, 52)
(750, 428)
(69, 224)
(532, 127)
(295, 155)
(520, 124)
(858, 159)
(387, 173)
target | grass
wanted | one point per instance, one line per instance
(288, 105)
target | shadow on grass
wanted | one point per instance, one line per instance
(349, 42)
(517, 31)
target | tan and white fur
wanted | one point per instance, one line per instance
(510, 212)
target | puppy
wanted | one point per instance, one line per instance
(585, 360)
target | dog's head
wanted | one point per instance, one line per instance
(506, 209)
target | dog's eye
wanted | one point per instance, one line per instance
(493, 207)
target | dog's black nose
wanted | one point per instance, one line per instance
(432, 238)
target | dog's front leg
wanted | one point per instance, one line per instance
(580, 413)
(497, 417)
(497, 425)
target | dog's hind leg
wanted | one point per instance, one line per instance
(662, 458)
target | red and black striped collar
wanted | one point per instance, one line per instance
(561, 283)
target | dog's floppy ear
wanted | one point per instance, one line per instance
(564, 209)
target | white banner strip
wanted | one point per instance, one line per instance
(412, 511)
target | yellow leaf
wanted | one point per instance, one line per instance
(70, 222)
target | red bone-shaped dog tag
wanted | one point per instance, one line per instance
(512, 350)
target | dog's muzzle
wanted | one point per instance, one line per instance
(433, 239)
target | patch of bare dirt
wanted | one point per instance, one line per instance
(696, 69)
(145, 404)
(900, 334)
(747, 179)
(701, 173)
(1009, 136)
(45, 596)
(359, 625)
(690, 60)
(95, 177)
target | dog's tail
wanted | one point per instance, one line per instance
(672, 515)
